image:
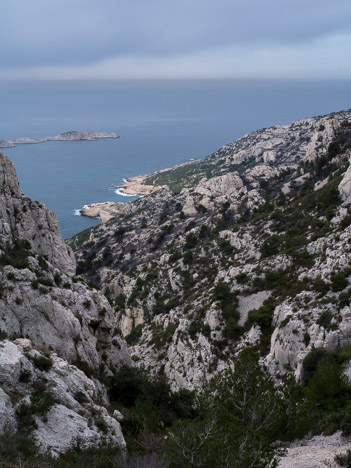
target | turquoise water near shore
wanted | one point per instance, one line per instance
(161, 123)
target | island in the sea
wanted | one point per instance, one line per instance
(73, 135)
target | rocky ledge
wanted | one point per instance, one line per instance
(72, 135)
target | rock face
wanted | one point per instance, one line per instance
(259, 223)
(25, 219)
(39, 298)
(68, 409)
(52, 319)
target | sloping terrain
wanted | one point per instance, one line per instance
(249, 246)
(51, 325)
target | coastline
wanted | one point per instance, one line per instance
(133, 186)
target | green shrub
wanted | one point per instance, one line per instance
(221, 291)
(17, 256)
(190, 241)
(84, 367)
(262, 316)
(311, 360)
(325, 319)
(41, 403)
(42, 363)
(134, 335)
(101, 424)
(339, 281)
(81, 397)
(272, 245)
(25, 375)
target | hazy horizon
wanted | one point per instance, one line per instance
(161, 39)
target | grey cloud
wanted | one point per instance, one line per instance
(66, 32)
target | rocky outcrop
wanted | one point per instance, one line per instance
(57, 400)
(51, 321)
(345, 186)
(318, 452)
(39, 298)
(25, 219)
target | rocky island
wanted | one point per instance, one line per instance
(72, 135)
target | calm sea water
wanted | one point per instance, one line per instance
(161, 123)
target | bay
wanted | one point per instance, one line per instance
(161, 123)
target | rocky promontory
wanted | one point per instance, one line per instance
(72, 135)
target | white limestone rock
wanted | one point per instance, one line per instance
(7, 414)
(64, 427)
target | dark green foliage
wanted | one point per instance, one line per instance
(134, 335)
(149, 402)
(79, 239)
(339, 281)
(333, 149)
(12, 446)
(41, 403)
(196, 327)
(81, 397)
(345, 222)
(344, 354)
(311, 361)
(262, 316)
(44, 281)
(272, 245)
(162, 307)
(25, 375)
(344, 459)
(320, 286)
(17, 256)
(188, 258)
(221, 291)
(328, 386)
(42, 363)
(43, 263)
(229, 303)
(101, 424)
(161, 336)
(324, 320)
(242, 278)
(190, 241)
(175, 256)
(225, 246)
(84, 367)
(233, 428)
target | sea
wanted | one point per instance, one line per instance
(160, 123)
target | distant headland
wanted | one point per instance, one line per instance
(66, 136)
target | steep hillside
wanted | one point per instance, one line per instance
(249, 246)
(52, 328)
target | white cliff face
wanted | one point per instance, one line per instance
(345, 186)
(39, 299)
(72, 413)
(58, 320)
(25, 219)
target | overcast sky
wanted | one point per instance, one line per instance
(98, 39)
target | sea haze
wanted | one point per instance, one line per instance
(161, 123)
